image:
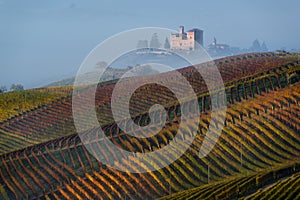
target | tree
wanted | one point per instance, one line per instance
(256, 45)
(167, 44)
(16, 87)
(3, 89)
(264, 47)
(154, 43)
(142, 44)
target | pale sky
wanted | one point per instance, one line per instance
(46, 40)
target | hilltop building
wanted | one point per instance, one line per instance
(186, 40)
(218, 50)
(218, 47)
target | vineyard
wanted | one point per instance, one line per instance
(282, 184)
(244, 76)
(17, 102)
(255, 157)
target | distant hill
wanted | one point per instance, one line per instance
(109, 74)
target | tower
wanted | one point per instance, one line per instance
(198, 36)
(181, 30)
(214, 41)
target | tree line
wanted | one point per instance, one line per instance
(154, 43)
(13, 87)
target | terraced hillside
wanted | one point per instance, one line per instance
(261, 131)
(258, 135)
(244, 76)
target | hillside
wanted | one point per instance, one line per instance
(43, 157)
(109, 75)
(243, 75)
(63, 168)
